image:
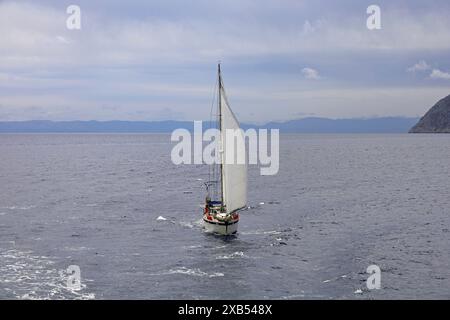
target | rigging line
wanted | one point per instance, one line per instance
(212, 103)
(211, 171)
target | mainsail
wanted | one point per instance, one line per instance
(234, 173)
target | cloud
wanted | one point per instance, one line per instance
(310, 73)
(35, 35)
(419, 66)
(62, 39)
(155, 59)
(308, 28)
(423, 66)
(438, 74)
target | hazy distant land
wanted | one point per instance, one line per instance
(306, 125)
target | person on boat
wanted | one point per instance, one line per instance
(208, 204)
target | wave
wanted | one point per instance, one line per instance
(19, 207)
(190, 272)
(237, 254)
(260, 232)
(25, 275)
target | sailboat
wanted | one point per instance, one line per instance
(227, 186)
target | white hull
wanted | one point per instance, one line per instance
(220, 227)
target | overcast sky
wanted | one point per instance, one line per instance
(156, 60)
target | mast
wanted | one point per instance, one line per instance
(221, 134)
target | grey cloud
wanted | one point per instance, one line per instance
(156, 59)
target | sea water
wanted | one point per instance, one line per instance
(115, 205)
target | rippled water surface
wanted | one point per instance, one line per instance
(338, 204)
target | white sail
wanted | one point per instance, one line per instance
(234, 175)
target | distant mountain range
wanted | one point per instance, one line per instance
(324, 125)
(306, 125)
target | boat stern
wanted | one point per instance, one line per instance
(221, 223)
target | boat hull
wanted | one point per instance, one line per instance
(218, 227)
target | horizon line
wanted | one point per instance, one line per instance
(204, 120)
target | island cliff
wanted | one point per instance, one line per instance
(436, 120)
